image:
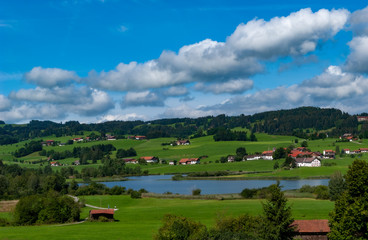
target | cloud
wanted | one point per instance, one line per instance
(122, 28)
(239, 57)
(296, 34)
(26, 112)
(145, 98)
(122, 117)
(50, 77)
(184, 111)
(232, 86)
(60, 101)
(5, 103)
(358, 22)
(333, 88)
(175, 91)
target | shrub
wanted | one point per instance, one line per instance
(196, 192)
(135, 194)
(248, 193)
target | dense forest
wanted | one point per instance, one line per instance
(305, 122)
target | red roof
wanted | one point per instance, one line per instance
(147, 158)
(329, 151)
(312, 226)
(267, 152)
(184, 160)
(102, 211)
(363, 149)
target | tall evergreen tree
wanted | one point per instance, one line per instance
(350, 215)
(277, 224)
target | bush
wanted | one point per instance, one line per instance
(52, 208)
(248, 193)
(196, 192)
(135, 194)
(175, 227)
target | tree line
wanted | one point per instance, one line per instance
(304, 122)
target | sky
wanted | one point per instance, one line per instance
(105, 60)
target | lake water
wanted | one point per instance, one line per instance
(163, 183)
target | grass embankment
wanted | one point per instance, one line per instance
(141, 218)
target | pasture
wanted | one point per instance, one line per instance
(141, 218)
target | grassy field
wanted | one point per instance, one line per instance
(141, 218)
(204, 146)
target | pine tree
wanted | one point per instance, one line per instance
(350, 215)
(277, 224)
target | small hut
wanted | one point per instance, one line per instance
(312, 229)
(96, 213)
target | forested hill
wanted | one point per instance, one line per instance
(307, 122)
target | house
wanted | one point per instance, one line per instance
(346, 151)
(183, 142)
(96, 213)
(308, 162)
(78, 139)
(140, 137)
(55, 164)
(311, 229)
(150, 159)
(329, 154)
(111, 138)
(189, 161)
(267, 155)
(130, 160)
(252, 157)
(362, 118)
(231, 158)
(363, 150)
(172, 163)
(77, 162)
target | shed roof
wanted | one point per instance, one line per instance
(312, 226)
(102, 211)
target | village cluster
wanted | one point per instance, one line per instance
(303, 156)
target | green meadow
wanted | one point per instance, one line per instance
(141, 218)
(204, 146)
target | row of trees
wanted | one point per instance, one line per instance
(284, 122)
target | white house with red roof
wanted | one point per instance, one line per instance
(189, 161)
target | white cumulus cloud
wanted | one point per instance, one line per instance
(50, 77)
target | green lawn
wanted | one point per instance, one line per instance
(141, 218)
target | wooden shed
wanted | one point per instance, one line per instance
(312, 229)
(96, 213)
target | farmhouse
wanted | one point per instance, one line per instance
(183, 142)
(346, 151)
(252, 157)
(363, 150)
(312, 229)
(130, 161)
(362, 118)
(55, 164)
(308, 162)
(172, 163)
(230, 158)
(150, 159)
(189, 161)
(48, 143)
(329, 154)
(96, 213)
(267, 155)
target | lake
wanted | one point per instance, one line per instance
(163, 183)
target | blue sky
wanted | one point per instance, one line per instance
(94, 60)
